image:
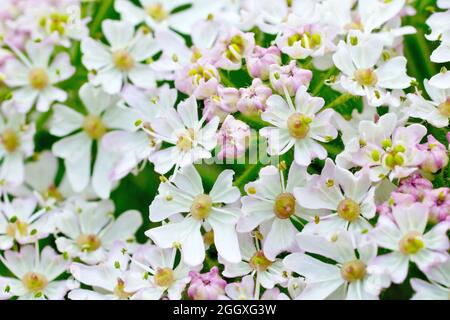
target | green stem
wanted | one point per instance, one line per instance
(225, 79)
(327, 75)
(247, 175)
(340, 100)
(104, 7)
(254, 122)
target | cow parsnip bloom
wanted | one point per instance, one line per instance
(231, 150)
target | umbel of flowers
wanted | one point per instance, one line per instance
(224, 149)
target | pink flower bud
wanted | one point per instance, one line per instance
(254, 97)
(222, 103)
(206, 286)
(199, 79)
(233, 137)
(436, 155)
(290, 76)
(415, 185)
(438, 201)
(259, 62)
(232, 48)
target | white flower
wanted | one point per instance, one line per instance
(349, 128)
(385, 150)
(350, 199)
(267, 273)
(245, 290)
(36, 274)
(442, 53)
(107, 278)
(348, 279)
(441, 80)
(19, 222)
(89, 229)
(406, 237)
(186, 195)
(439, 25)
(358, 58)
(34, 77)
(160, 14)
(57, 23)
(16, 144)
(439, 286)
(133, 147)
(102, 114)
(154, 274)
(300, 40)
(175, 54)
(437, 111)
(271, 204)
(40, 174)
(123, 60)
(190, 139)
(301, 126)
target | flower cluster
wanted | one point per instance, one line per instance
(223, 149)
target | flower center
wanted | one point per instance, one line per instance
(411, 243)
(201, 207)
(38, 78)
(123, 60)
(395, 156)
(88, 242)
(201, 73)
(10, 140)
(307, 40)
(164, 277)
(56, 22)
(119, 290)
(284, 206)
(34, 282)
(444, 108)
(53, 192)
(348, 210)
(94, 126)
(259, 261)
(157, 12)
(353, 271)
(185, 140)
(235, 48)
(366, 77)
(17, 226)
(298, 125)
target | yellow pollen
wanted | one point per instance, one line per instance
(348, 210)
(366, 77)
(17, 227)
(411, 243)
(298, 125)
(164, 277)
(157, 12)
(201, 207)
(10, 140)
(353, 271)
(259, 261)
(88, 242)
(444, 108)
(284, 206)
(123, 60)
(94, 126)
(34, 282)
(185, 140)
(120, 292)
(38, 78)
